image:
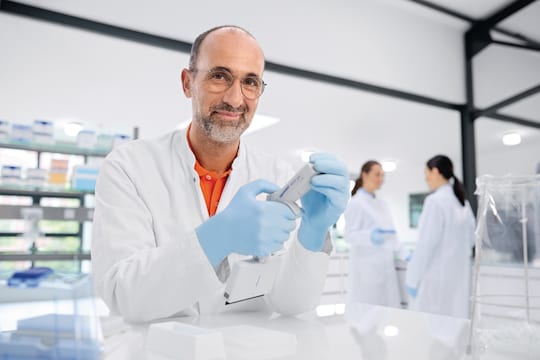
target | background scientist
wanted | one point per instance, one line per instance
(173, 215)
(439, 273)
(369, 228)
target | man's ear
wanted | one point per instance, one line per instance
(186, 82)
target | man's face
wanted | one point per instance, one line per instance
(225, 114)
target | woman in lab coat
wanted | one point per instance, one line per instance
(369, 229)
(438, 275)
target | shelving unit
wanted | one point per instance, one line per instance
(79, 214)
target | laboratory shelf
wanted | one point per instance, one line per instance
(45, 256)
(60, 148)
(41, 191)
(48, 212)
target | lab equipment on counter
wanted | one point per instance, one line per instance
(506, 317)
(255, 277)
(176, 340)
(30, 277)
(48, 316)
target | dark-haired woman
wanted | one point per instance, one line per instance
(438, 275)
(369, 229)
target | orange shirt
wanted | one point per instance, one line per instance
(211, 186)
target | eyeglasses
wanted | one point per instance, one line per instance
(220, 80)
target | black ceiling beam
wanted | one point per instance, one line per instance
(312, 75)
(54, 17)
(458, 15)
(518, 46)
(506, 12)
(493, 108)
(517, 36)
(185, 47)
(515, 120)
(444, 10)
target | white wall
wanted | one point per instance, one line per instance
(496, 159)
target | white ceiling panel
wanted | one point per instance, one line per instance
(525, 22)
(528, 108)
(501, 72)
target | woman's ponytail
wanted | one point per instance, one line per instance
(446, 169)
(458, 190)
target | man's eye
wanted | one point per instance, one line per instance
(219, 76)
(252, 82)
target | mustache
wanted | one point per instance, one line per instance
(228, 108)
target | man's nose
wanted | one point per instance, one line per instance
(233, 96)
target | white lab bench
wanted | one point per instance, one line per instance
(363, 332)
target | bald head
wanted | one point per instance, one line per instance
(219, 30)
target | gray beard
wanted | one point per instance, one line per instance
(223, 132)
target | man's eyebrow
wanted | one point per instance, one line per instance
(223, 68)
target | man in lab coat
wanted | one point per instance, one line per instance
(174, 214)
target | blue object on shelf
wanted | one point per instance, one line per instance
(29, 277)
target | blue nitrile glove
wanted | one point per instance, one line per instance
(378, 236)
(247, 226)
(325, 202)
(412, 291)
(409, 256)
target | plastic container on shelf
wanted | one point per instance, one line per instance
(48, 316)
(84, 177)
(120, 139)
(11, 174)
(86, 139)
(4, 130)
(43, 132)
(36, 177)
(21, 133)
(58, 172)
(506, 287)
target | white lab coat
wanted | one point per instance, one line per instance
(372, 273)
(441, 264)
(147, 262)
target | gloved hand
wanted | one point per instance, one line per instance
(325, 202)
(409, 256)
(378, 236)
(412, 291)
(247, 226)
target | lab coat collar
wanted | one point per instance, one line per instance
(367, 193)
(445, 188)
(184, 151)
